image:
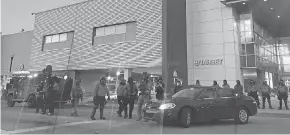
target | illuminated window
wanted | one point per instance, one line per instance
(100, 32)
(48, 39)
(120, 29)
(63, 37)
(56, 38)
(110, 30)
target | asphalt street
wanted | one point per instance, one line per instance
(21, 120)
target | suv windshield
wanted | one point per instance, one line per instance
(187, 93)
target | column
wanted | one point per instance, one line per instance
(127, 73)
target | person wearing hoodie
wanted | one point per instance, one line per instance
(282, 91)
(266, 91)
(121, 92)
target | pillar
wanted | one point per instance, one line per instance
(174, 42)
(127, 73)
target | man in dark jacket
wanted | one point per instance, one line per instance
(159, 90)
(282, 95)
(266, 91)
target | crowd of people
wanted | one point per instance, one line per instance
(129, 92)
(254, 90)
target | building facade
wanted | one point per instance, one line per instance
(225, 41)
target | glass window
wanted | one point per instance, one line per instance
(100, 32)
(250, 49)
(63, 37)
(120, 29)
(110, 30)
(208, 94)
(187, 93)
(251, 61)
(286, 60)
(55, 38)
(48, 39)
(243, 61)
(226, 93)
(243, 49)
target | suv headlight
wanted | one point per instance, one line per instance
(167, 106)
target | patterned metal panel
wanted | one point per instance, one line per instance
(82, 18)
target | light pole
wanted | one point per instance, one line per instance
(12, 57)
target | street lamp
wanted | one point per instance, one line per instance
(12, 57)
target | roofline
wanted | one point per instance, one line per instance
(61, 7)
(17, 33)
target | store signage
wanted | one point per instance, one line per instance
(209, 62)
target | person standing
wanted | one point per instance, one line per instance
(282, 94)
(159, 89)
(177, 86)
(120, 96)
(197, 83)
(40, 98)
(143, 96)
(225, 84)
(238, 89)
(131, 92)
(52, 94)
(100, 92)
(266, 91)
(76, 95)
(215, 85)
(253, 92)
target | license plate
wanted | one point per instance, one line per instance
(151, 111)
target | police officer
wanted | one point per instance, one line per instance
(40, 98)
(100, 92)
(144, 95)
(238, 89)
(253, 92)
(120, 96)
(130, 97)
(225, 84)
(266, 91)
(76, 95)
(282, 94)
(197, 83)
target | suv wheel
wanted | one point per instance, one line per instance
(242, 116)
(185, 117)
(10, 101)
